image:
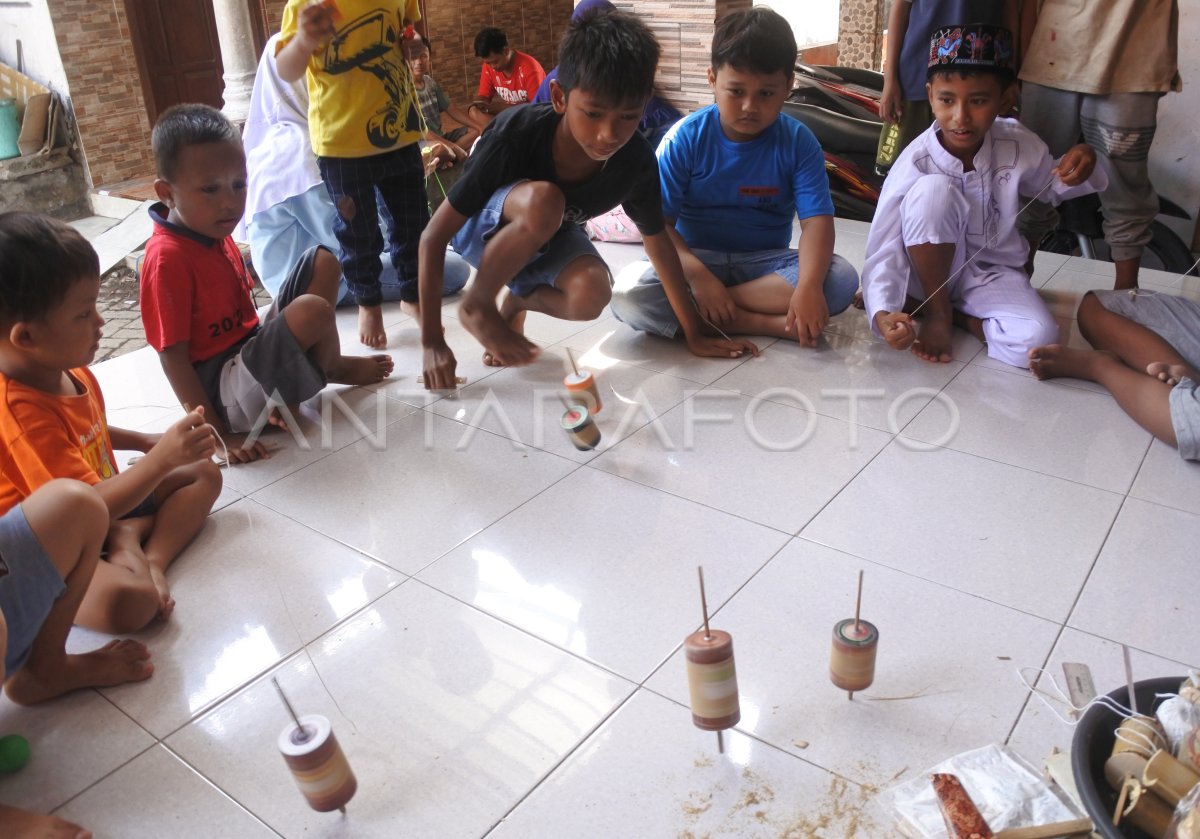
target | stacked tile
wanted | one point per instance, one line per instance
(685, 30)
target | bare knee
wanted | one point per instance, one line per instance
(537, 206)
(206, 478)
(1089, 308)
(65, 515)
(326, 267)
(588, 286)
(308, 317)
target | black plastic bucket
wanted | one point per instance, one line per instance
(1092, 745)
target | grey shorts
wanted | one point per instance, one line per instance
(1177, 321)
(1185, 418)
(568, 244)
(28, 590)
(267, 366)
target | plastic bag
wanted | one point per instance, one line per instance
(1186, 823)
(1007, 791)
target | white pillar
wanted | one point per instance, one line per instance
(237, 55)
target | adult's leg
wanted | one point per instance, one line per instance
(1053, 115)
(1121, 127)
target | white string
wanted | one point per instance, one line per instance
(1136, 292)
(984, 247)
(1107, 702)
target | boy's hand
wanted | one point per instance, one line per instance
(897, 329)
(891, 107)
(807, 314)
(1076, 165)
(706, 347)
(439, 367)
(316, 25)
(187, 441)
(237, 451)
(712, 299)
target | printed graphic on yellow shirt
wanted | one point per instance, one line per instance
(370, 44)
(94, 446)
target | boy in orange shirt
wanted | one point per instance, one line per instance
(52, 425)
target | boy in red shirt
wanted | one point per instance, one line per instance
(195, 293)
(52, 425)
(508, 77)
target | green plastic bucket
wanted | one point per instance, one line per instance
(10, 129)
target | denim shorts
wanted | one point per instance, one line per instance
(568, 244)
(645, 306)
(28, 590)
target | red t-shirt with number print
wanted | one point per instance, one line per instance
(195, 289)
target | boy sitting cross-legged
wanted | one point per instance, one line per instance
(52, 425)
(195, 292)
(945, 229)
(735, 175)
(536, 175)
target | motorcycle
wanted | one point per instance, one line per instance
(840, 105)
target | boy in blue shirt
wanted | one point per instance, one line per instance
(734, 175)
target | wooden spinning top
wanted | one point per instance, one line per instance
(712, 677)
(852, 659)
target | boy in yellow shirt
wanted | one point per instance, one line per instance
(365, 122)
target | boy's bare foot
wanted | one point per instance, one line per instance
(858, 300)
(370, 327)
(22, 824)
(1055, 360)
(1169, 373)
(166, 603)
(500, 332)
(413, 310)
(116, 663)
(933, 341)
(361, 370)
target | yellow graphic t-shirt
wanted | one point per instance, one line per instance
(361, 99)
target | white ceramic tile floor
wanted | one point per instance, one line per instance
(527, 681)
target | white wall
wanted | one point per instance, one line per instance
(30, 23)
(813, 21)
(1175, 155)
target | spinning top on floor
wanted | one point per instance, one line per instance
(578, 424)
(318, 765)
(852, 660)
(14, 753)
(712, 677)
(581, 388)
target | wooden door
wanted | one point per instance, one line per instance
(179, 56)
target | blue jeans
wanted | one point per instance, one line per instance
(645, 306)
(354, 184)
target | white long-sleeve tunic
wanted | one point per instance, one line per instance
(928, 198)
